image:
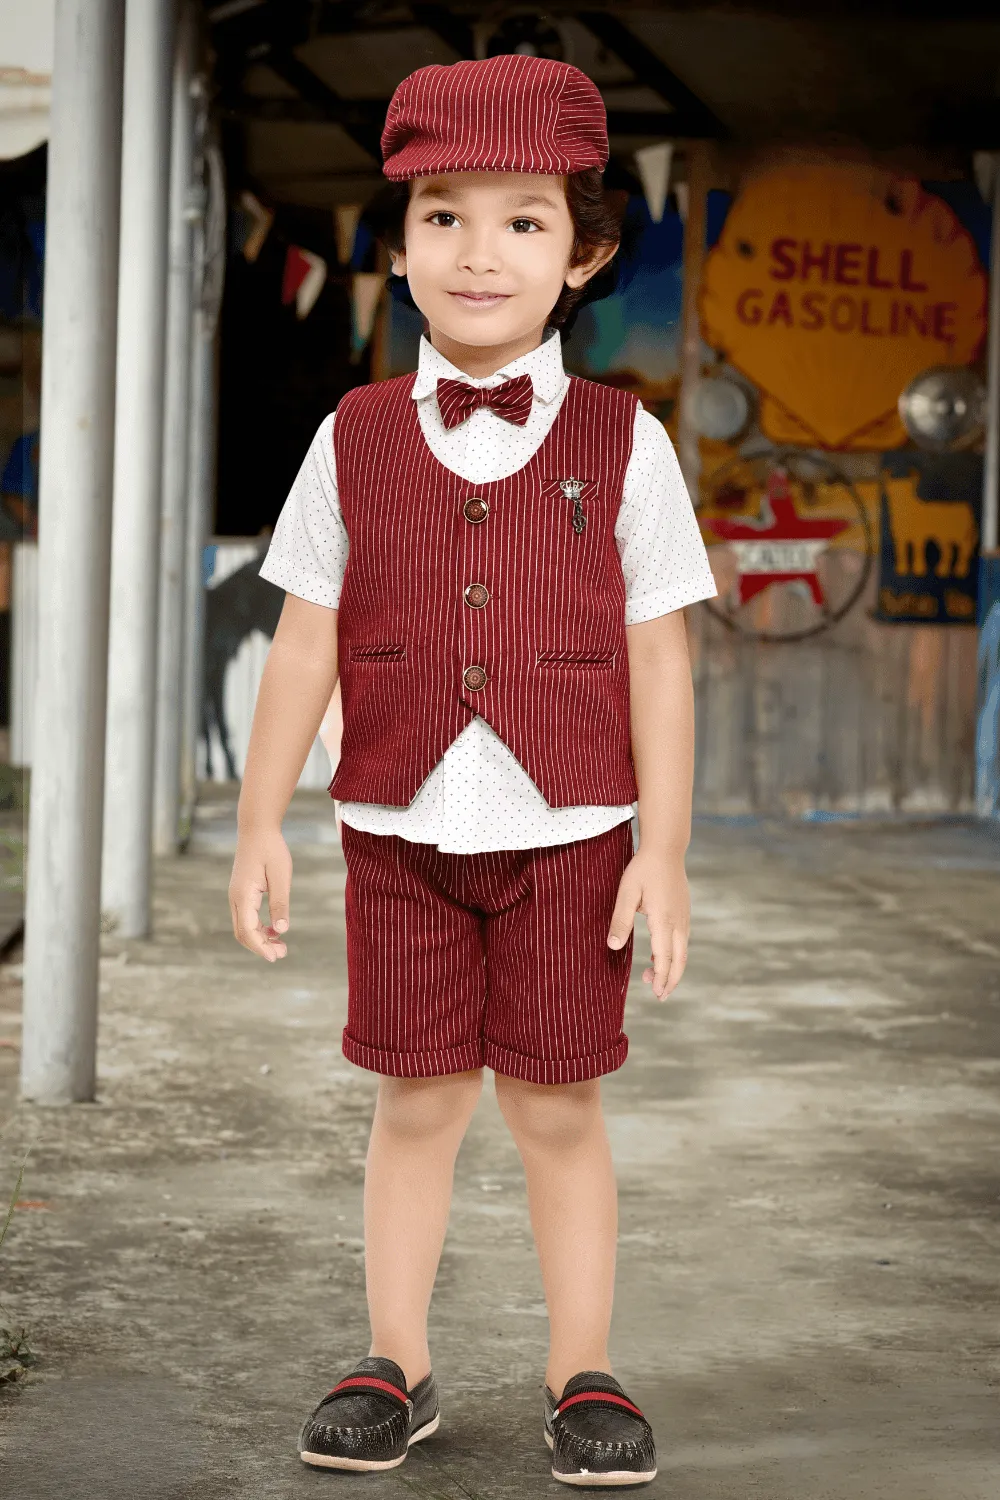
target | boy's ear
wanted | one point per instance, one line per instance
(577, 276)
(398, 258)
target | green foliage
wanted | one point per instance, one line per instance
(14, 783)
(16, 1355)
(13, 1202)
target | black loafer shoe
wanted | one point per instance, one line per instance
(597, 1435)
(369, 1420)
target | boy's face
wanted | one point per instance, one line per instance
(487, 254)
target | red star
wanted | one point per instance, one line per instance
(779, 547)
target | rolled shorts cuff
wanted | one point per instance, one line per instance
(554, 1070)
(434, 1064)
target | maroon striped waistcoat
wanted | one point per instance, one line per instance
(462, 599)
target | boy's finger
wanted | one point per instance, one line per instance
(279, 893)
(249, 930)
(251, 935)
(623, 916)
(660, 938)
(678, 962)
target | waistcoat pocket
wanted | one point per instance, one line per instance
(393, 652)
(575, 659)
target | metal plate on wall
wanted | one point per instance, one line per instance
(944, 407)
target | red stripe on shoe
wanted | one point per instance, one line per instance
(595, 1396)
(371, 1383)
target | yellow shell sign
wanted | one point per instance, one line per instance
(831, 287)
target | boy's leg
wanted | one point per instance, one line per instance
(416, 988)
(554, 1011)
(573, 1199)
(417, 1130)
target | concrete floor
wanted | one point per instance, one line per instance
(807, 1145)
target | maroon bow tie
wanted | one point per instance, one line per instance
(512, 400)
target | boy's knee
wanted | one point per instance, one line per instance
(549, 1117)
(421, 1108)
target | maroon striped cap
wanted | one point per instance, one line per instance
(504, 114)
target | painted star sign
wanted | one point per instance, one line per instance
(781, 546)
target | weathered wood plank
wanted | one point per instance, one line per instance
(866, 717)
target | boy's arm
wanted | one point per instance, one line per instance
(295, 689)
(654, 882)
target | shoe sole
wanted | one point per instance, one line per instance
(619, 1478)
(371, 1465)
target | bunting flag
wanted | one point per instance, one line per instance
(259, 225)
(305, 274)
(345, 223)
(366, 288)
(654, 169)
(984, 167)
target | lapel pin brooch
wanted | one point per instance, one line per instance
(573, 490)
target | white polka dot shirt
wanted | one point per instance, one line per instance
(479, 797)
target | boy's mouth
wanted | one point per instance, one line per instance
(480, 299)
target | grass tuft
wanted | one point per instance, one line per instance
(16, 1354)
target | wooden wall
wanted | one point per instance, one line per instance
(866, 717)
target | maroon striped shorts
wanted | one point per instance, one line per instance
(459, 961)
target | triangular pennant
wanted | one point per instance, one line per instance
(366, 288)
(296, 270)
(312, 285)
(303, 279)
(345, 221)
(654, 169)
(984, 168)
(261, 219)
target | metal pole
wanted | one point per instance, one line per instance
(78, 397)
(135, 560)
(210, 259)
(991, 465)
(204, 377)
(688, 449)
(166, 792)
(988, 721)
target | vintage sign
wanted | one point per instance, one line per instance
(929, 551)
(779, 547)
(830, 288)
(790, 544)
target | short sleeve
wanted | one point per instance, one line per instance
(662, 553)
(308, 551)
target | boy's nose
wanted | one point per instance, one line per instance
(480, 257)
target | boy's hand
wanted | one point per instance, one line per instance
(657, 886)
(262, 864)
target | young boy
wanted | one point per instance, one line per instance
(495, 557)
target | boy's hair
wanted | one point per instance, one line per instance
(596, 226)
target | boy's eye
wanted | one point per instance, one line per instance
(523, 226)
(443, 219)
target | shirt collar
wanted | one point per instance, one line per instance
(544, 365)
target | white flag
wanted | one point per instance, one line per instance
(654, 169)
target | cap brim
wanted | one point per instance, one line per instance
(410, 163)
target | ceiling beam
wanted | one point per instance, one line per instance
(693, 118)
(369, 114)
(657, 122)
(452, 29)
(269, 33)
(353, 116)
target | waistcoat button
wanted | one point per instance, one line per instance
(475, 509)
(474, 678)
(477, 594)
